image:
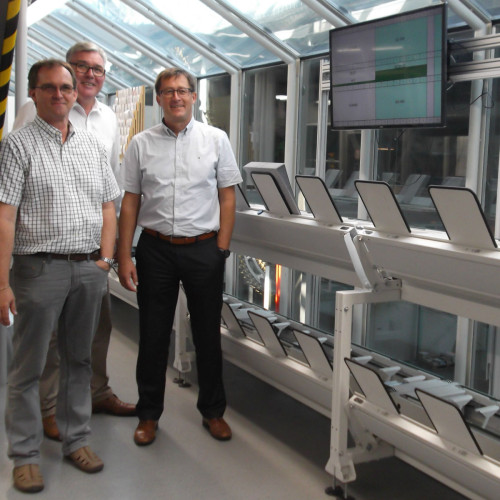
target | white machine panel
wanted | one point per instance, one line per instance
(382, 207)
(318, 198)
(462, 217)
(448, 422)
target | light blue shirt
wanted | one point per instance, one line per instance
(179, 177)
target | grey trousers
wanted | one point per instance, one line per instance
(51, 294)
(49, 381)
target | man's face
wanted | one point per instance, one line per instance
(54, 95)
(89, 85)
(177, 109)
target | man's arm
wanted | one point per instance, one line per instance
(8, 215)
(108, 233)
(128, 221)
(227, 202)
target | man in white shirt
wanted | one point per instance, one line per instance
(88, 61)
(179, 179)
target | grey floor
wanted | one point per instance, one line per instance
(278, 451)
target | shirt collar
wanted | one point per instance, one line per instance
(52, 131)
(184, 131)
(97, 106)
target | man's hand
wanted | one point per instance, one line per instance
(128, 274)
(103, 265)
(7, 303)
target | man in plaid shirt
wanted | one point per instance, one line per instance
(58, 222)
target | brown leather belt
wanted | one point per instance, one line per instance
(180, 240)
(74, 257)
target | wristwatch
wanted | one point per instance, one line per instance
(226, 252)
(108, 261)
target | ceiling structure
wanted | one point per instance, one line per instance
(210, 37)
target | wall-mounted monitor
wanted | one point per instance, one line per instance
(390, 72)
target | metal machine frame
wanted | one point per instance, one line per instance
(384, 261)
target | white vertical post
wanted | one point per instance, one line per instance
(340, 464)
(20, 56)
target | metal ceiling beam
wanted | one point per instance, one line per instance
(205, 50)
(60, 52)
(253, 30)
(329, 13)
(287, 55)
(77, 35)
(192, 41)
(472, 13)
(127, 37)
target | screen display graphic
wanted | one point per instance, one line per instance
(390, 72)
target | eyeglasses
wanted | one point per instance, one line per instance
(52, 89)
(180, 92)
(83, 68)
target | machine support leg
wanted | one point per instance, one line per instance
(340, 464)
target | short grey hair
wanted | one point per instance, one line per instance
(85, 47)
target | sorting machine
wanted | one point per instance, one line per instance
(378, 406)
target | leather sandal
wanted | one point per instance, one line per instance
(86, 460)
(27, 478)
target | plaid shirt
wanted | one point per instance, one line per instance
(59, 188)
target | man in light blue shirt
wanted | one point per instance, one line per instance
(179, 179)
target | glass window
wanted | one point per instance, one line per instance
(264, 120)
(416, 335)
(491, 178)
(342, 169)
(485, 360)
(256, 282)
(313, 301)
(291, 21)
(342, 152)
(226, 38)
(214, 101)
(412, 159)
(308, 118)
(250, 279)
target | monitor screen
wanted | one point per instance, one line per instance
(390, 72)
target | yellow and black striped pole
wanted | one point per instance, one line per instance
(8, 43)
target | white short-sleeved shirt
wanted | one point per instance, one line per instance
(179, 177)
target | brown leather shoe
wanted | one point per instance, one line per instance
(218, 428)
(28, 478)
(50, 428)
(114, 406)
(146, 432)
(86, 460)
